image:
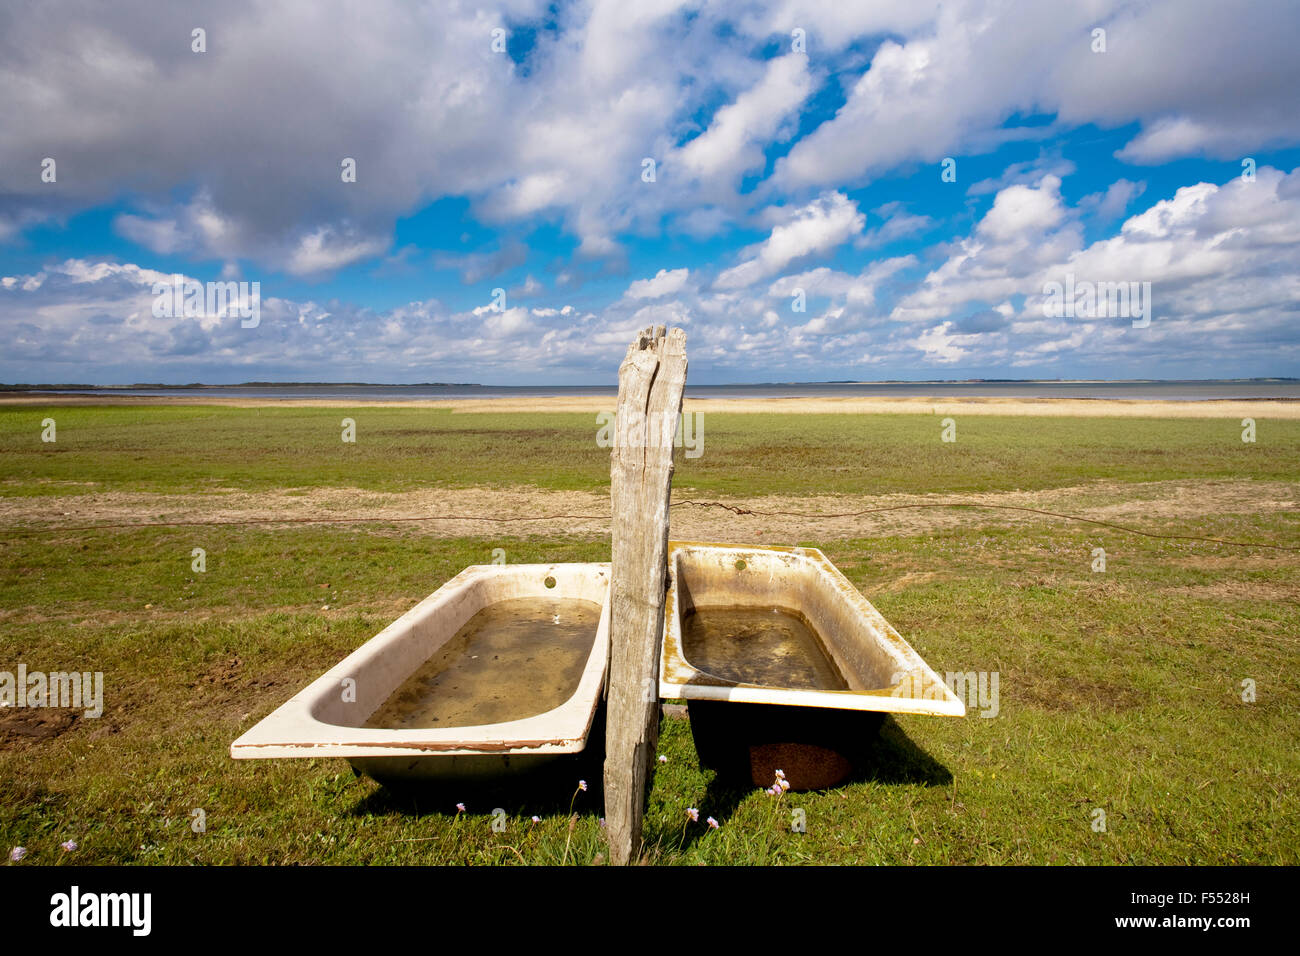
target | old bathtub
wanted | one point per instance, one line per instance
(330, 717)
(783, 662)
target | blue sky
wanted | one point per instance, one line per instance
(797, 225)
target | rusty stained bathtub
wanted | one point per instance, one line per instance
(765, 722)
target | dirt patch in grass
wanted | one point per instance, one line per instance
(221, 674)
(449, 512)
(1176, 499)
(22, 727)
(221, 695)
(475, 512)
(226, 691)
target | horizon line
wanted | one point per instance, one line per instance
(83, 386)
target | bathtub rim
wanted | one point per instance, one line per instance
(679, 679)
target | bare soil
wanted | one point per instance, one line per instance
(475, 512)
(23, 727)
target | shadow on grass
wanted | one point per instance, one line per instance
(889, 757)
(546, 791)
(543, 792)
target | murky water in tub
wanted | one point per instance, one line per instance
(511, 660)
(771, 646)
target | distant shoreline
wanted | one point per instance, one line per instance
(1210, 408)
(849, 383)
(777, 396)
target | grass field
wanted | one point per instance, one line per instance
(194, 449)
(1119, 691)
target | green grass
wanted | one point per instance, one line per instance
(1118, 691)
(194, 449)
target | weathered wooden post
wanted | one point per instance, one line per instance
(650, 384)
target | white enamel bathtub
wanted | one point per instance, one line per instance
(327, 718)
